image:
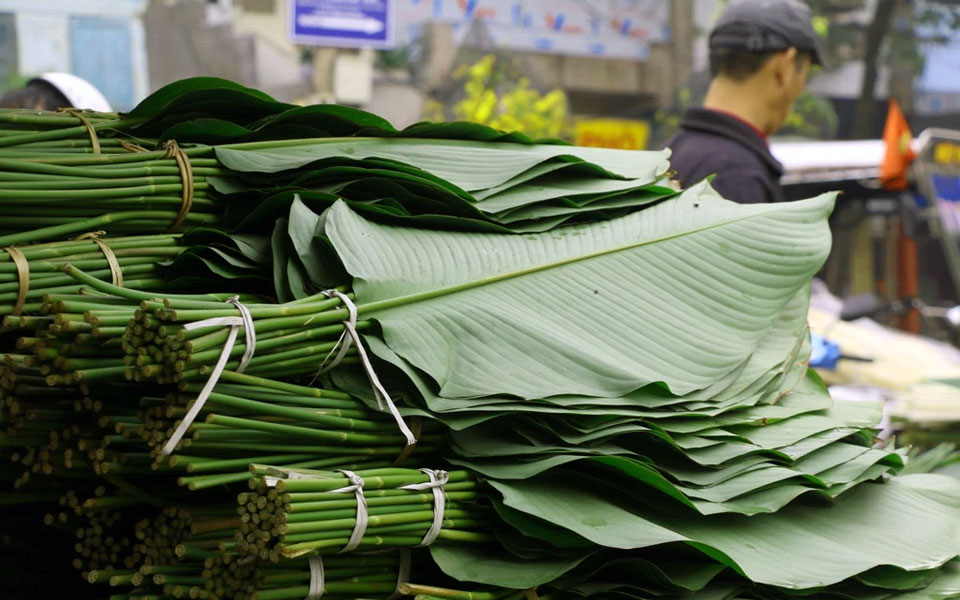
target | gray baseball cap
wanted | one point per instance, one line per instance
(766, 25)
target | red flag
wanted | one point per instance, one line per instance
(898, 155)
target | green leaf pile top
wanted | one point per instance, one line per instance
(568, 312)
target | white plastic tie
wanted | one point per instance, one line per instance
(277, 474)
(316, 578)
(250, 334)
(346, 340)
(438, 479)
(403, 573)
(234, 323)
(379, 391)
(360, 528)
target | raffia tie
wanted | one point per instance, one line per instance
(403, 574)
(363, 516)
(438, 479)
(245, 320)
(23, 276)
(318, 576)
(416, 427)
(94, 140)
(349, 336)
(132, 147)
(317, 583)
(116, 275)
(175, 152)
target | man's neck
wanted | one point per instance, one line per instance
(740, 101)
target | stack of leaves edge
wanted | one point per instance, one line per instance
(633, 389)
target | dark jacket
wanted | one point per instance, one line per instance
(711, 142)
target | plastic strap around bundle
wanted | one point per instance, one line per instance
(94, 140)
(416, 426)
(275, 474)
(116, 275)
(234, 323)
(403, 573)
(379, 391)
(360, 527)
(339, 351)
(175, 152)
(317, 582)
(438, 479)
(133, 147)
(23, 277)
(249, 333)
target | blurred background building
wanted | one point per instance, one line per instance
(563, 68)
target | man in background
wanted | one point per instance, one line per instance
(760, 54)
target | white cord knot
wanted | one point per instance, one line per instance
(317, 577)
(250, 333)
(403, 573)
(438, 479)
(245, 320)
(351, 335)
(360, 527)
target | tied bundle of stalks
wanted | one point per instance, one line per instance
(294, 512)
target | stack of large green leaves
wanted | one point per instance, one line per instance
(249, 154)
(623, 367)
(508, 187)
(637, 390)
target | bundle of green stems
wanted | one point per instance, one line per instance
(53, 195)
(35, 132)
(152, 582)
(249, 419)
(345, 576)
(166, 538)
(309, 515)
(138, 259)
(80, 349)
(292, 339)
(87, 406)
(430, 592)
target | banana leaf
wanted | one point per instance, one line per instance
(557, 313)
(911, 523)
(173, 93)
(491, 164)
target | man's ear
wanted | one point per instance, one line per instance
(784, 66)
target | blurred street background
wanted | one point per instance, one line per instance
(599, 72)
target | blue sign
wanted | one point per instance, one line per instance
(347, 23)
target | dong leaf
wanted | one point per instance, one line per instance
(480, 565)
(491, 164)
(913, 522)
(173, 92)
(558, 313)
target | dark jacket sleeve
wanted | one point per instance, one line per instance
(745, 186)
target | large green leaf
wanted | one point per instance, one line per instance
(566, 186)
(913, 522)
(490, 164)
(172, 92)
(480, 565)
(465, 130)
(338, 120)
(561, 313)
(945, 587)
(617, 202)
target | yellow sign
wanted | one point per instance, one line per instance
(613, 133)
(947, 153)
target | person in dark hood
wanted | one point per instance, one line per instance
(760, 54)
(53, 91)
